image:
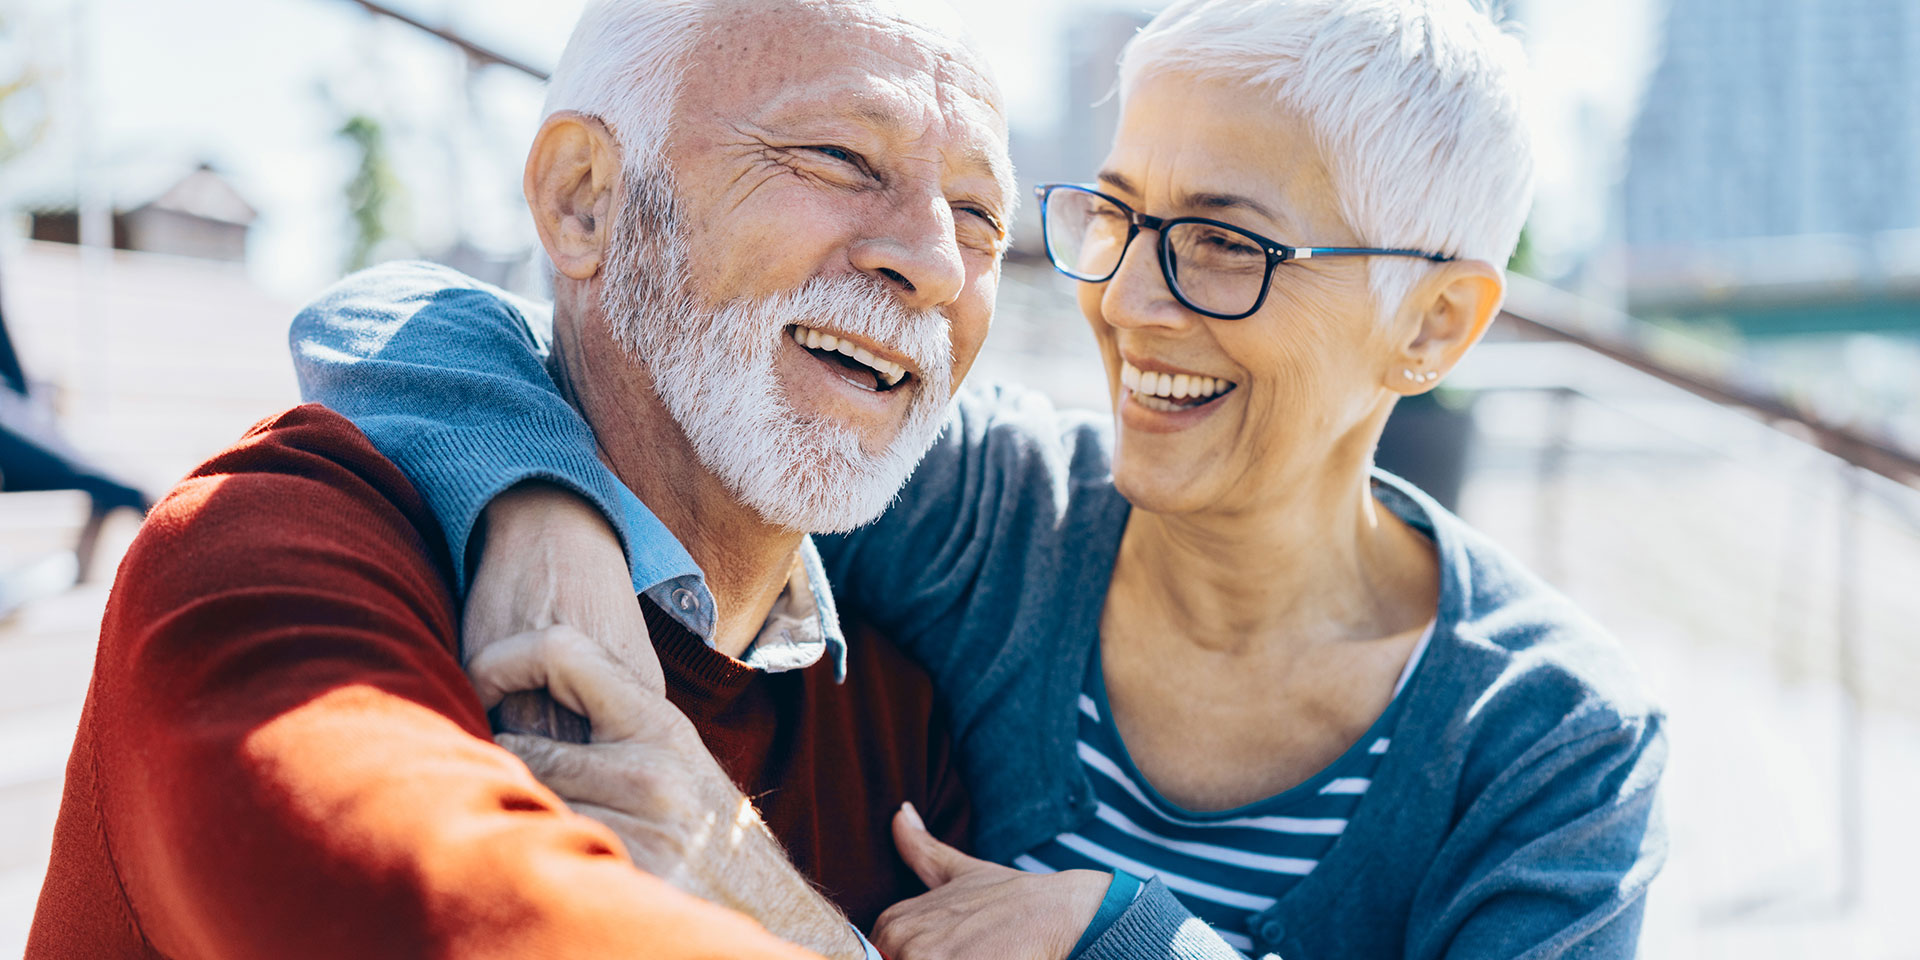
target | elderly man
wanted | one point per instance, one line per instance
(775, 230)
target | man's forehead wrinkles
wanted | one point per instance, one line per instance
(923, 94)
(919, 51)
(981, 141)
(867, 101)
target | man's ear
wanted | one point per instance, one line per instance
(572, 185)
(1447, 313)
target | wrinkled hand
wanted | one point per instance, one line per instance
(976, 910)
(550, 559)
(648, 777)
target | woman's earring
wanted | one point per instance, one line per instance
(1410, 375)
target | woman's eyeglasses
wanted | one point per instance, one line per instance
(1213, 268)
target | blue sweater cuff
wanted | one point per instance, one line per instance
(1120, 895)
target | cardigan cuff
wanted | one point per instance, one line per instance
(1122, 890)
(1157, 926)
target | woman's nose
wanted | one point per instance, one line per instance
(1137, 295)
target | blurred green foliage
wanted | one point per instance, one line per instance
(1522, 260)
(372, 191)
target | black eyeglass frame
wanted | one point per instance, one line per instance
(1277, 253)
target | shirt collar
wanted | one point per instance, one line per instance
(802, 627)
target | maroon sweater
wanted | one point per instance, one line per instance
(826, 764)
(281, 757)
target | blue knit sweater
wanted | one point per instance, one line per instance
(1514, 817)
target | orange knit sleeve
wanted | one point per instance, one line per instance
(288, 761)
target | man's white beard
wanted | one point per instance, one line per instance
(713, 370)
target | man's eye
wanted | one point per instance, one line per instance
(977, 228)
(982, 216)
(837, 153)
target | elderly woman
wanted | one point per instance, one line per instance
(1203, 663)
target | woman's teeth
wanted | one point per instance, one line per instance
(1159, 391)
(890, 373)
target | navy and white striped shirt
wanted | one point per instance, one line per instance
(1224, 865)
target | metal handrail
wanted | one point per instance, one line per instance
(474, 50)
(1841, 441)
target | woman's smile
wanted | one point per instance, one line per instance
(1158, 399)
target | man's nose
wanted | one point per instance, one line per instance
(915, 252)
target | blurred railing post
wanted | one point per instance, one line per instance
(1852, 772)
(1550, 504)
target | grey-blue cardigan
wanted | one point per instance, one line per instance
(1514, 817)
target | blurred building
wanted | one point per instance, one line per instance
(195, 214)
(1073, 148)
(1774, 173)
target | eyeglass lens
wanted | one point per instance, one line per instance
(1216, 269)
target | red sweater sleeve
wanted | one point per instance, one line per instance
(281, 756)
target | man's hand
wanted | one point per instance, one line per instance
(649, 778)
(550, 558)
(977, 910)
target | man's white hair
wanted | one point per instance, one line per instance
(624, 64)
(1415, 106)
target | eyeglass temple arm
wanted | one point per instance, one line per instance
(1308, 253)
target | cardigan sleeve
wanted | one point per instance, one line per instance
(446, 376)
(1554, 857)
(1551, 860)
(289, 761)
(995, 483)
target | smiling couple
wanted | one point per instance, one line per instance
(1212, 684)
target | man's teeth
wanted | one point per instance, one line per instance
(1178, 386)
(890, 373)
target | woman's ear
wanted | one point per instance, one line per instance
(572, 185)
(1447, 313)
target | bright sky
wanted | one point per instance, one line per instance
(259, 87)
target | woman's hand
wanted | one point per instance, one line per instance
(551, 560)
(982, 910)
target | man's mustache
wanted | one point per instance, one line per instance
(864, 307)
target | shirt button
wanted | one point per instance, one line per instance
(1273, 931)
(683, 598)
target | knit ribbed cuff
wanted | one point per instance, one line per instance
(1158, 926)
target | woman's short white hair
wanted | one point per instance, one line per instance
(1415, 106)
(624, 64)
